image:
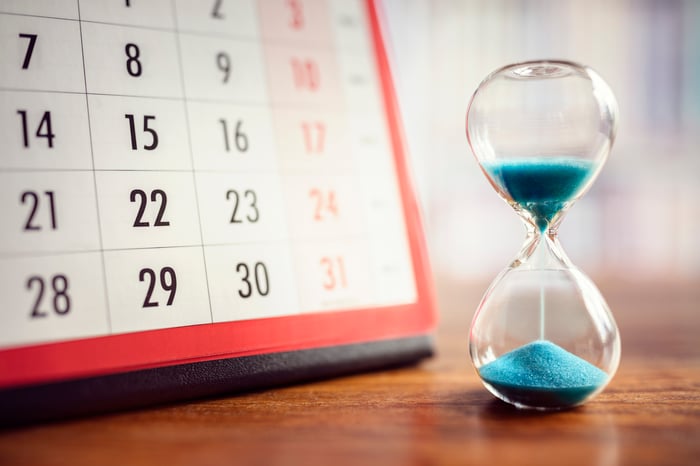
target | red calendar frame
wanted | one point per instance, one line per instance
(55, 362)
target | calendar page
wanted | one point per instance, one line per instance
(185, 180)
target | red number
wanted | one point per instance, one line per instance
(324, 204)
(334, 273)
(297, 10)
(314, 136)
(306, 74)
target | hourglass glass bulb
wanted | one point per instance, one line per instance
(543, 336)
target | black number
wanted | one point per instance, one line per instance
(168, 282)
(223, 62)
(253, 199)
(128, 3)
(36, 312)
(163, 202)
(216, 11)
(259, 272)
(33, 198)
(151, 285)
(260, 277)
(42, 131)
(133, 65)
(146, 129)
(61, 300)
(143, 199)
(30, 49)
(138, 221)
(239, 137)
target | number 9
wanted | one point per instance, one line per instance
(223, 62)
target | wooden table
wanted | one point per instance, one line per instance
(434, 413)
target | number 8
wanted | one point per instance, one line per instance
(133, 65)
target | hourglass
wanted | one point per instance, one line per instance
(543, 336)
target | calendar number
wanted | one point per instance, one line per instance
(296, 8)
(60, 303)
(167, 281)
(216, 11)
(146, 129)
(157, 196)
(249, 195)
(43, 130)
(324, 204)
(133, 65)
(259, 278)
(306, 74)
(334, 273)
(223, 62)
(32, 198)
(30, 49)
(240, 139)
(314, 136)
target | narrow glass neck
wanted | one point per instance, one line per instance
(541, 250)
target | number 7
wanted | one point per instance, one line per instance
(30, 48)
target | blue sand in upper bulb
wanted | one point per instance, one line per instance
(543, 374)
(540, 185)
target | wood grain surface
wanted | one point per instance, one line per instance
(434, 413)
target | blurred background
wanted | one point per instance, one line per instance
(641, 220)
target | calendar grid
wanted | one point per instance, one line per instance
(94, 179)
(282, 199)
(242, 103)
(59, 252)
(189, 144)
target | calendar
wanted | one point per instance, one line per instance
(195, 191)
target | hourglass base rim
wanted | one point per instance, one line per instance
(543, 399)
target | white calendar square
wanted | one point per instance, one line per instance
(230, 137)
(324, 206)
(151, 13)
(241, 208)
(333, 274)
(130, 61)
(251, 281)
(44, 130)
(230, 18)
(223, 70)
(67, 9)
(45, 287)
(147, 209)
(36, 45)
(138, 133)
(207, 191)
(317, 141)
(156, 288)
(48, 212)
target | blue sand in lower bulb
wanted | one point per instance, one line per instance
(540, 185)
(543, 374)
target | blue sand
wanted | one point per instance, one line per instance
(542, 374)
(540, 185)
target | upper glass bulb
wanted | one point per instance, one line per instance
(541, 131)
